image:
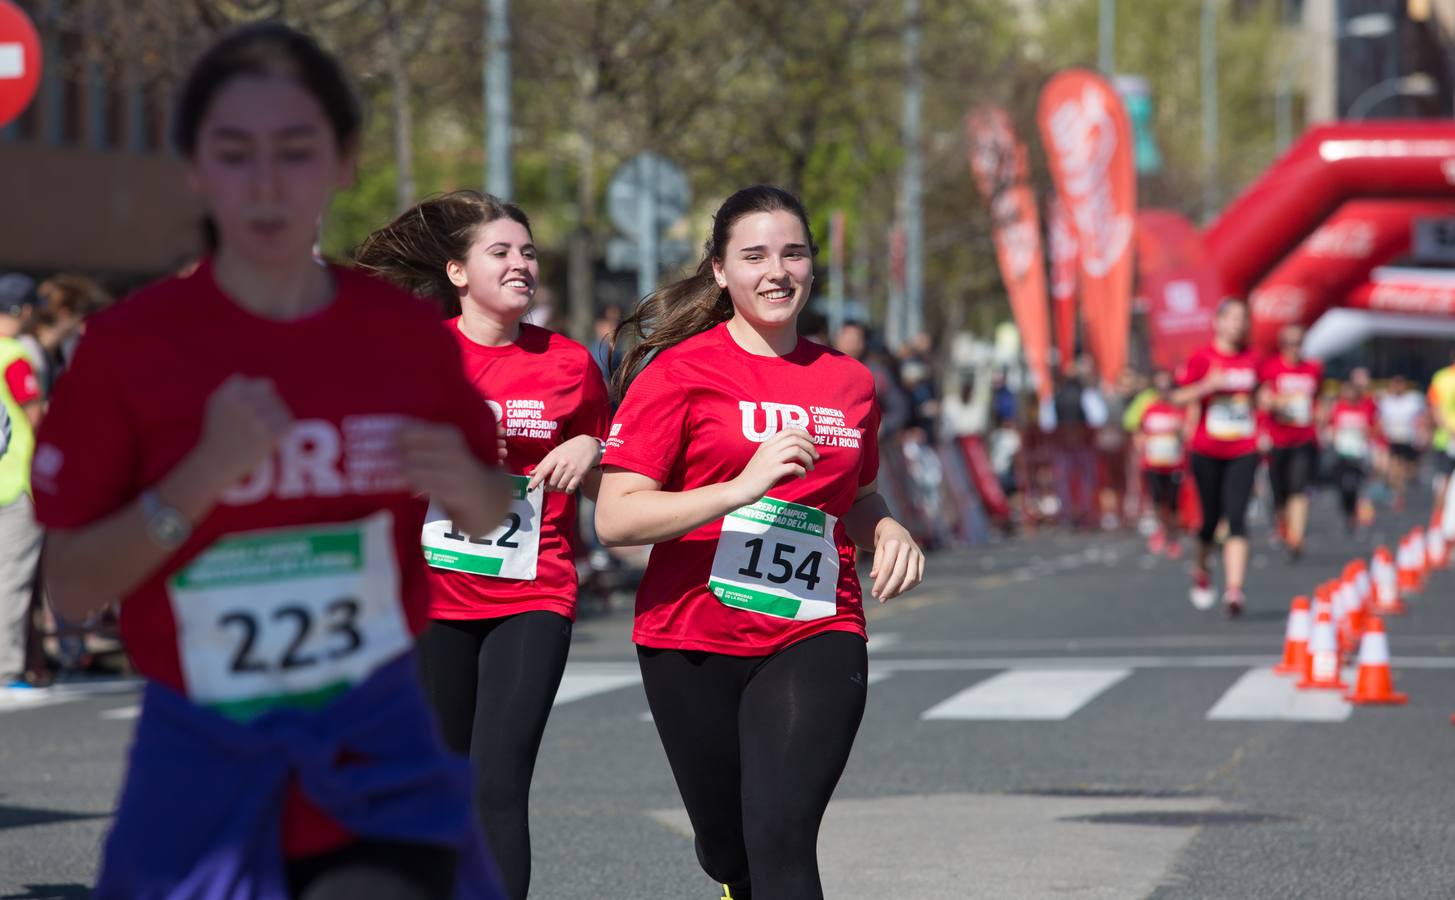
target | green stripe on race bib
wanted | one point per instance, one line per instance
(519, 486)
(782, 514)
(253, 560)
(755, 601)
(463, 562)
(247, 710)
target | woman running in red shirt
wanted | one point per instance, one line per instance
(1163, 456)
(1352, 430)
(502, 603)
(1290, 399)
(748, 457)
(229, 458)
(1222, 379)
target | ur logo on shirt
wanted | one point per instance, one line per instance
(776, 417)
(317, 458)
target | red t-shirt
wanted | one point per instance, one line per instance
(1162, 427)
(1354, 427)
(1228, 424)
(548, 389)
(20, 379)
(695, 416)
(131, 407)
(1293, 421)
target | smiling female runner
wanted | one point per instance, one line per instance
(503, 603)
(748, 456)
(228, 456)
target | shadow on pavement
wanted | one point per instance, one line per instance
(50, 892)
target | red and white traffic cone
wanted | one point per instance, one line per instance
(1295, 639)
(1436, 547)
(1351, 625)
(1375, 683)
(1409, 578)
(1419, 558)
(1386, 584)
(1323, 662)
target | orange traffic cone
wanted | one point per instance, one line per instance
(1437, 547)
(1323, 659)
(1409, 579)
(1375, 683)
(1351, 624)
(1295, 640)
(1386, 584)
(1419, 559)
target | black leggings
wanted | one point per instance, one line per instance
(1224, 487)
(757, 745)
(492, 683)
(1290, 469)
(1349, 477)
(374, 870)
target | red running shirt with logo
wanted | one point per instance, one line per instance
(1295, 388)
(1228, 425)
(132, 406)
(547, 389)
(694, 416)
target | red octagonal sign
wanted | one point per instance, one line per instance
(19, 61)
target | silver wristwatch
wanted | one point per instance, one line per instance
(167, 526)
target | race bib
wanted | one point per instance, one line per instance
(510, 551)
(1230, 419)
(1164, 450)
(288, 617)
(1351, 442)
(778, 559)
(1297, 409)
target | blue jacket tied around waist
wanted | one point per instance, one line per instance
(200, 816)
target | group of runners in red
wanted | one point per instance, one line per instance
(341, 524)
(1224, 413)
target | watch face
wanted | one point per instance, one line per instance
(169, 529)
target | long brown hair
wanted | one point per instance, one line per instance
(673, 314)
(413, 250)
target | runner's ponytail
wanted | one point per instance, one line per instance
(412, 251)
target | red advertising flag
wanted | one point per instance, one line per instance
(998, 164)
(1088, 141)
(1181, 287)
(1064, 262)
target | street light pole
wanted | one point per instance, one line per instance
(1106, 35)
(913, 177)
(499, 179)
(1209, 108)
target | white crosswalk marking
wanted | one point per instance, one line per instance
(580, 685)
(1028, 694)
(1263, 695)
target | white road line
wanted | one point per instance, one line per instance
(1028, 694)
(1262, 695)
(977, 664)
(878, 642)
(14, 700)
(578, 686)
(122, 713)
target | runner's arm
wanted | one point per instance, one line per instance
(899, 563)
(87, 568)
(633, 510)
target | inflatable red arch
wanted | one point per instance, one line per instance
(1365, 182)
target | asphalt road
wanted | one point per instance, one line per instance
(1047, 718)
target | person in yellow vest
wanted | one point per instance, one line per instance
(1442, 416)
(20, 535)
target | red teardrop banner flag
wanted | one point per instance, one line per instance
(1088, 140)
(998, 164)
